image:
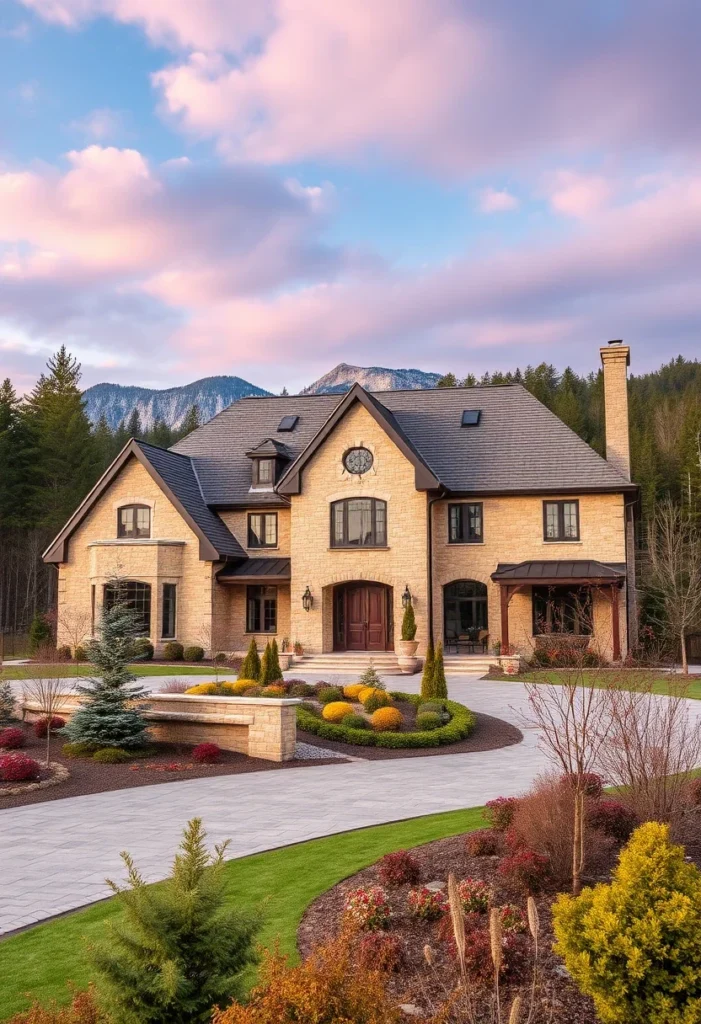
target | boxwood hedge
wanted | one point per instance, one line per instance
(461, 724)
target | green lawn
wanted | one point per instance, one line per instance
(141, 668)
(632, 677)
(281, 884)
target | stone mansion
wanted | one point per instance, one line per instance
(316, 518)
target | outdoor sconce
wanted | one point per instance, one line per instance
(307, 600)
(406, 597)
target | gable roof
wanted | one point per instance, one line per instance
(176, 475)
(270, 447)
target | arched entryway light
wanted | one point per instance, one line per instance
(307, 600)
(406, 597)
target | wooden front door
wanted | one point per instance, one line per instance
(365, 617)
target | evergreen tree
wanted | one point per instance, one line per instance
(274, 670)
(427, 677)
(179, 948)
(409, 623)
(371, 678)
(104, 443)
(121, 436)
(19, 479)
(160, 434)
(39, 633)
(470, 381)
(250, 669)
(440, 684)
(448, 380)
(284, 393)
(105, 716)
(134, 427)
(191, 421)
(265, 666)
(7, 701)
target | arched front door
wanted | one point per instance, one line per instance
(464, 611)
(362, 617)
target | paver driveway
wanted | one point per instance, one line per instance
(54, 857)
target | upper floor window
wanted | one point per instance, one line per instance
(134, 521)
(134, 595)
(264, 472)
(262, 530)
(560, 520)
(465, 523)
(359, 522)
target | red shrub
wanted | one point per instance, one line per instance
(478, 949)
(398, 868)
(12, 739)
(18, 768)
(500, 812)
(381, 951)
(693, 789)
(206, 753)
(527, 870)
(613, 818)
(593, 783)
(41, 726)
(485, 842)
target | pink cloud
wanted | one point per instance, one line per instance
(578, 195)
(493, 200)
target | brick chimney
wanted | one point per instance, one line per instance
(615, 358)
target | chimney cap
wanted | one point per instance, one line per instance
(614, 350)
(616, 341)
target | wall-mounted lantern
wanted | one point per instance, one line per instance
(406, 597)
(307, 600)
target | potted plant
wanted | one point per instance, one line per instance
(407, 646)
(298, 649)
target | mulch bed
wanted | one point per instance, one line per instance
(489, 734)
(87, 776)
(426, 987)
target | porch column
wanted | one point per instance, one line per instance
(615, 623)
(504, 595)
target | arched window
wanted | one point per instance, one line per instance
(359, 523)
(134, 595)
(464, 610)
(134, 521)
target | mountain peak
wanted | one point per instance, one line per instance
(372, 378)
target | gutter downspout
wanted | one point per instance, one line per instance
(429, 547)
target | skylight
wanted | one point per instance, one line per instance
(471, 417)
(287, 423)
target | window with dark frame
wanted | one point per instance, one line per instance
(92, 610)
(134, 595)
(168, 612)
(261, 609)
(359, 523)
(134, 521)
(563, 610)
(560, 520)
(262, 529)
(465, 523)
(264, 472)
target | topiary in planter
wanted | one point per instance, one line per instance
(409, 623)
(428, 721)
(12, 739)
(42, 726)
(193, 653)
(206, 753)
(18, 768)
(336, 711)
(111, 755)
(173, 651)
(387, 719)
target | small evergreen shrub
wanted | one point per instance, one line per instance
(12, 739)
(111, 755)
(426, 904)
(634, 945)
(367, 691)
(193, 653)
(250, 668)
(409, 623)
(399, 868)
(336, 711)
(204, 689)
(435, 706)
(367, 908)
(301, 690)
(143, 649)
(378, 699)
(7, 702)
(526, 870)
(440, 684)
(81, 748)
(206, 753)
(371, 678)
(173, 651)
(500, 812)
(427, 687)
(330, 693)
(274, 670)
(485, 842)
(18, 768)
(80, 653)
(428, 721)
(42, 726)
(613, 818)
(386, 719)
(355, 722)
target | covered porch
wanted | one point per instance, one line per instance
(562, 598)
(251, 601)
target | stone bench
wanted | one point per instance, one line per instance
(259, 727)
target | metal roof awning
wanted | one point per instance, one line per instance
(256, 570)
(560, 572)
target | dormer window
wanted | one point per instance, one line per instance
(264, 472)
(134, 521)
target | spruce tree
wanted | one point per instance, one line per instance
(440, 685)
(104, 443)
(427, 677)
(250, 669)
(191, 421)
(274, 670)
(160, 434)
(371, 678)
(179, 948)
(134, 427)
(121, 436)
(39, 633)
(105, 716)
(7, 701)
(448, 380)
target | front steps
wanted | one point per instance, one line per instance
(385, 663)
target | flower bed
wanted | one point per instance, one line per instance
(461, 724)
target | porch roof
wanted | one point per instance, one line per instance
(560, 572)
(256, 570)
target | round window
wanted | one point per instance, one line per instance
(357, 460)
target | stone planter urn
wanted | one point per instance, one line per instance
(407, 648)
(285, 661)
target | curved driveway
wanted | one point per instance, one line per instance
(54, 856)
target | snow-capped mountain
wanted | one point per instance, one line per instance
(372, 378)
(211, 395)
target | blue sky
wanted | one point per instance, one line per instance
(271, 189)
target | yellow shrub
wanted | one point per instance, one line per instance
(241, 685)
(203, 689)
(386, 719)
(336, 710)
(368, 691)
(352, 692)
(227, 689)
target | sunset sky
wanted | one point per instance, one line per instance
(196, 187)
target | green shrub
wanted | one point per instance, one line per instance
(173, 651)
(440, 684)
(327, 694)
(80, 653)
(355, 722)
(143, 649)
(427, 690)
(301, 690)
(250, 669)
(428, 721)
(81, 748)
(377, 700)
(371, 678)
(193, 653)
(7, 701)
(64, 652)
(634, 945)
(39, 633)
(111, 755)
(409, 623)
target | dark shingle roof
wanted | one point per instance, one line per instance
(271, 569)
(271, 447)
(519, 446)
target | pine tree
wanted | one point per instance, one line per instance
(39, 633)
(19, 479)
(7, 701)
(105, 716)
(191, 421)
(160, 434)
(470, 381)
(104, 443)
(440, 685)
(448, 380)
(274, 671)
(250, 669)
(121, 436)
(179, 948)
(427, 677)
(265, 666)
(134, 427)
(284, 393)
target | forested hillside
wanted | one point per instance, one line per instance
(50, 455)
